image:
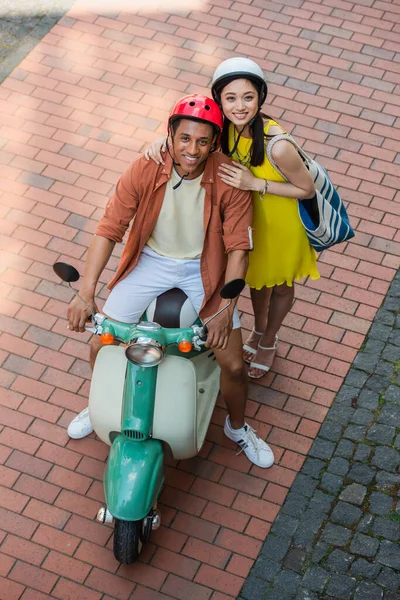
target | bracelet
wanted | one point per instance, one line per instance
(265, 190)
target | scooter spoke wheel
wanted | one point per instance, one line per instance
(128, 536)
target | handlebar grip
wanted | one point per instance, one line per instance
(90, 328)
(203, 337)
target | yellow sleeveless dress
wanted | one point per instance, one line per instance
(282, 252)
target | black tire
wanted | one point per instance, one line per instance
(127, 540)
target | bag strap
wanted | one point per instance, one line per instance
(288, 138)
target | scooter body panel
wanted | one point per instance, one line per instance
(186, 391)
(133, 478)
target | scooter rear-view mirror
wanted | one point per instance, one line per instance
(69, 274)
(232, 289)
(229, 291)
(66, 272)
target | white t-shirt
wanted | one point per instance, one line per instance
(179, 231)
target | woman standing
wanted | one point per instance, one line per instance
(282, 253)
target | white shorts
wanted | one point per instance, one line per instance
(153, 275)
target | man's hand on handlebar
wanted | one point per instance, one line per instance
(78, 314)
(219, 330)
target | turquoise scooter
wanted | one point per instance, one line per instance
(158, 387)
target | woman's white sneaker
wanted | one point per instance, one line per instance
(81, 426)
(257, 451)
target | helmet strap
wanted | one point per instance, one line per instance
(182, 177)
(235, 146)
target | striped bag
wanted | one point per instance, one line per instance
(324, 217)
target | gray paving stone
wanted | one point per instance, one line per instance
(391, 303)
(361, 473)
(320, 551)
(387, 458)
(380, 332)
(368, 399)
(373, 346)
(336, 535)
(341, 586)
(346, 514)
(340, 414)
(364, 545)
(397, 442)
(392, 394)
(277, 593)
(385, 480)
(387, 529)
(355, 432)
(331, 431)
(356, 378)
(288, 580)
(377, 383)
(345, 448)
(339, 561)
(284, 525)
(331, 483)
(380, 504)
(381, 434)
(365, 525)
(366, 362)
(265, 568)
(304, 537)
(362, 416)
(254, 588)
(391, 353)
(303, 594)
(346, 394)
(364, 568)
(385, 368)
(362, 453)
(389, 554)
(385, 317)
(295, 559)
(389, 415)
(313, 520)
(391, 596)
(339, 466)
(315, 579)
(368, 591)
(313, 467)
(295, 504)
(275, 547)
(395, 338)
(304, 485)
(322, 449)
(320, 503)
(389, 579)
(354, 493)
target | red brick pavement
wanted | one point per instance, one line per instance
(75, 112)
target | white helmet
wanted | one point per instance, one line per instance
(238, 68)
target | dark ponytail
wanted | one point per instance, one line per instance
(257, 152)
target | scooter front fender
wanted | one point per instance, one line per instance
(133, 478)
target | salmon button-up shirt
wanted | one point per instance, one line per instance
(139, 195)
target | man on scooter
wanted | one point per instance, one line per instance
(189, 230)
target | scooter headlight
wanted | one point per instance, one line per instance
(145, 352)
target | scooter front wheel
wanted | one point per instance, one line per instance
(129, 537)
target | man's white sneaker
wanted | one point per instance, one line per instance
(81, 426)
(257, 451)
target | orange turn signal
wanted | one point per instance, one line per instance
(106, 338)
(185, 346)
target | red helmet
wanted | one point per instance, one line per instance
(198, 108)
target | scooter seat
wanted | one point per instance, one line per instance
(172, 309)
